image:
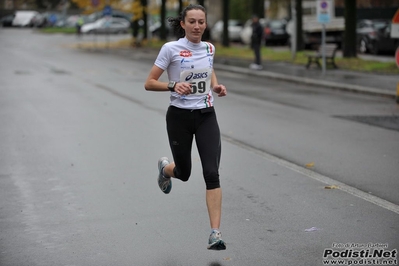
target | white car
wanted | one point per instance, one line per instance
(235, 28)
(23, 18)
(107, 25)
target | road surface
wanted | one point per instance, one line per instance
(302, 176)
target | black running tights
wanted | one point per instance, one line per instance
(182, 125)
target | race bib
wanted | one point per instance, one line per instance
(200, 80)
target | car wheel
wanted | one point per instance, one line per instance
(374, 48)
(363, 46)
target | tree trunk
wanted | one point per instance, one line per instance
(258, 8)
(299, 31)
(145, 28)
(162, 33)
(226, 8)
(349, 45)
(180, 7)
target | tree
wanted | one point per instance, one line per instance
(299, 30)
(225, 8)
(163, 19)
(180, 6)
(145, 27)
(241, 10)
(137, 11)
(258, 8)
(349, 48)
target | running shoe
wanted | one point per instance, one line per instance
(216, 242)
(164, 183)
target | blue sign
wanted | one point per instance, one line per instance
(324, 11)
(107, 11)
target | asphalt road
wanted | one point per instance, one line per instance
(80, 139)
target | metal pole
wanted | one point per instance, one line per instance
(323, 43)
(293, 32)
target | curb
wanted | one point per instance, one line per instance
(307, 81)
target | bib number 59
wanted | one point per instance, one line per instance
(199, 87)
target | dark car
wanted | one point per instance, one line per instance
(275, 32)
(374, 36)
(39, 20)
(7, 20)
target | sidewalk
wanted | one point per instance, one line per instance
(370, 83)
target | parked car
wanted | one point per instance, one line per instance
(39, 20)
(384, 42)
(115, 13)
(68, 21)
(368, 34)
(246, 33)
(23, 18)
(107, 25)
(275, 32)
(6, 21)
(46, 19)
(235, 27)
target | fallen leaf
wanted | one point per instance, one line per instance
(331, 187)
(309, 165)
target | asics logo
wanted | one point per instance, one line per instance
(197, 76)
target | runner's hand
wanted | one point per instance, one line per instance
(220, 90)
(183, 88)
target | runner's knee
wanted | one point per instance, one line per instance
(212, 181)
(181, 174)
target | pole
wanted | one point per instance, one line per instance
(294, 32)
(323, 43)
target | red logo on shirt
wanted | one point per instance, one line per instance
(186, 53)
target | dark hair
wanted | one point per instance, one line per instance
(174, 22)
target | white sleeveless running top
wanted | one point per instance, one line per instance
(185, 61)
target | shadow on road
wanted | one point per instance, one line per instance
(215, 263)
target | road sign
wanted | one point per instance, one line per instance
(95, 3)
(395, 25)
(107, 11)
(324, 10)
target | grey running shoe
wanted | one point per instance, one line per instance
(216, 242)
(165, 183)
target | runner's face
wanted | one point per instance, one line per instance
(194, 25)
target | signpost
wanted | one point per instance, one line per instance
(325, 9)
(395, 25)
(395, 34)
(107, 11)
(397, 85)
(293, 34)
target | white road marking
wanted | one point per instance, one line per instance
(316, 176)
